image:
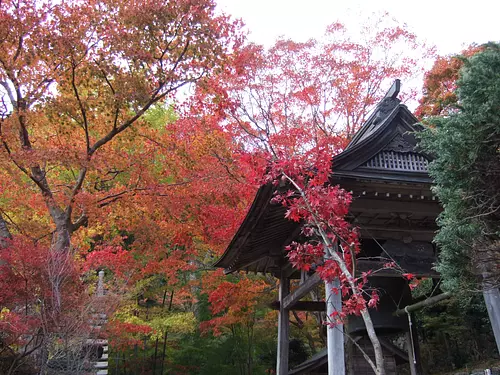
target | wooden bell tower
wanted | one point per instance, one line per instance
(395, 210)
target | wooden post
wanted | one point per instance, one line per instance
(492, 300)
(350, 349)
(283, 328)
(334, 335)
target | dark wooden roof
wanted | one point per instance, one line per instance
(258, 243)
(385, 147)
(388, 178)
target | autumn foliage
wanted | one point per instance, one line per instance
(440, 84)
(103, 167)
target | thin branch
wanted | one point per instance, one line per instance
(81, 106)
(76, 188)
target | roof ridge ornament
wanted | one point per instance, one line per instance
(394, 90)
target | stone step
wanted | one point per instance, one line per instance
(104, 356)
(102, 372)
(105, 349)
(101, 365)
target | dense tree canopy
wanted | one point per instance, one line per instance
(467, 172)
(91, 175)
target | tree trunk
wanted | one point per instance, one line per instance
(61, 238)
(377, 348)
(4, 235)
(4, 232)
(59, 261)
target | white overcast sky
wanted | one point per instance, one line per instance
(450, 25)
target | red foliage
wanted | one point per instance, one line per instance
(28, 300)
(124, 335)
(117, 259)
(233, 303)
(440, 84)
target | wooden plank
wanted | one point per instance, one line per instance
(302, 306)
(290, 300)
(398, 229)
(247, 265)
(388, 234)
(430, 208)
(283, 329)
(389, 347)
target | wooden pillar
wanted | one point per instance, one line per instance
(492, 300)
(334, 335)
(350, 352)
(283, 328)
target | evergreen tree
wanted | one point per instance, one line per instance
(466, 171)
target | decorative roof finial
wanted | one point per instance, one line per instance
(394, 90)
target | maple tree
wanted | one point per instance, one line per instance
(82, 114)
(332, 242)
(317, 92)
(67, 97)
(440, 84)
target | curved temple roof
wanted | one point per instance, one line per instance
(385, 147)
(382, 155)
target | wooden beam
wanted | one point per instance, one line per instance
(283, 329)
(393, 348)
(302, 306)
(426, 302)
(377, 268)
(389, 228)
(290, 300)
(428, 208)
(388, 234)
(246, 266)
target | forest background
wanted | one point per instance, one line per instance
(134, 137)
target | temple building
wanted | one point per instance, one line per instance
(395, 211)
